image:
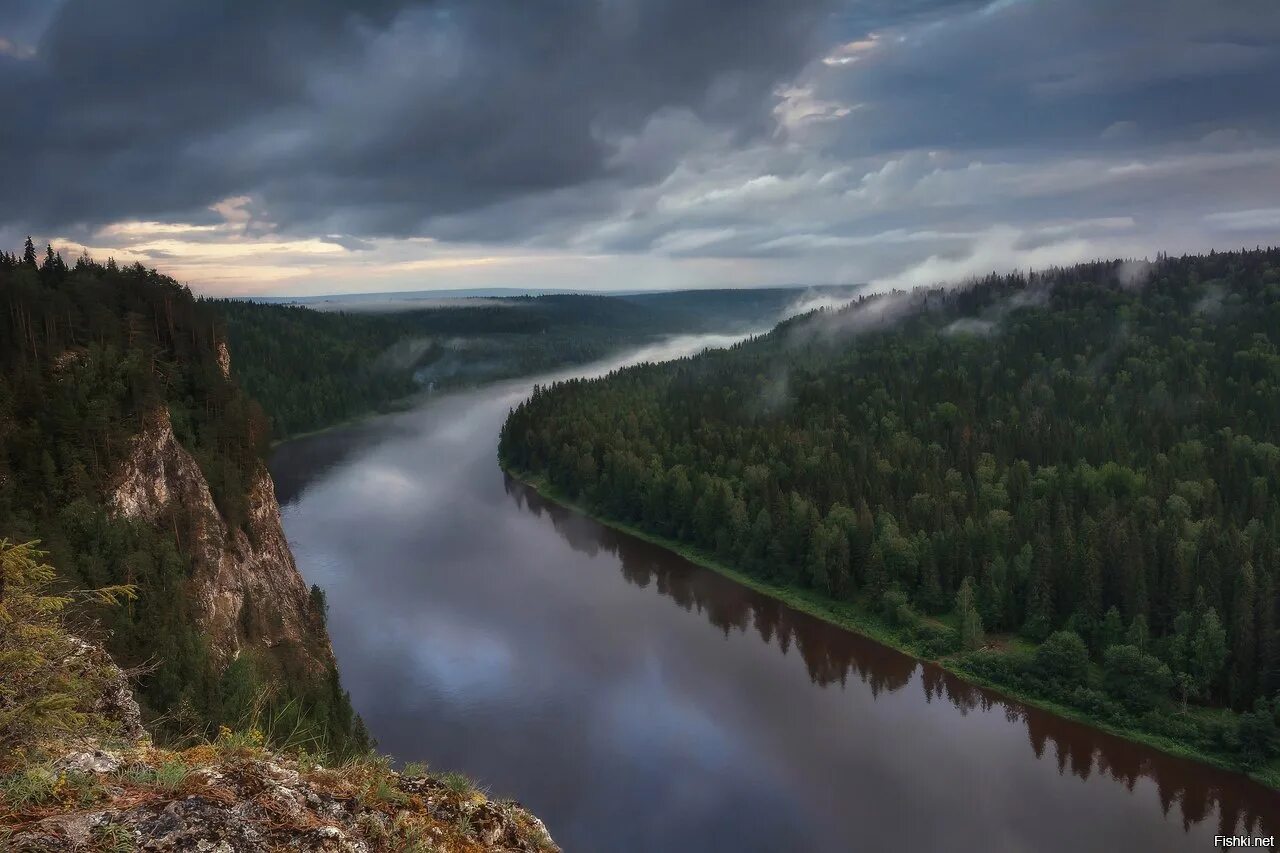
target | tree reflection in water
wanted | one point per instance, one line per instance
(832, 655)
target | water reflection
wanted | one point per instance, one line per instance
(832, 656)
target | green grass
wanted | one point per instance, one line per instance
(113, 838)
(457, 783)
(40, 784)
(861, 620)
(29, 786)
(168, 777)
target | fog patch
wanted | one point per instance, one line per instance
(1034, 296)
(1134, 274)
(1102, 362)
(775, 392)
(669, 349)
(404, 354)
(1210, 304)
(819, 300)
(391, 303)
(1001, 248)
(463, 357)
(970, 326)
(863, 314)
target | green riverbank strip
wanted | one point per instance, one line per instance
(859, 620)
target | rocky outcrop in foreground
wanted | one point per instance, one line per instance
(105, 787)
(235, 797)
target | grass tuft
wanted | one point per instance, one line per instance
(31, 786)
(169, 776)
(457, 783)
(415, 770)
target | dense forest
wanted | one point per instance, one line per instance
(316, 368)
(1064, 482)
(86, 352)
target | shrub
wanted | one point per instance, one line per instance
(894, 608)
(1177, 726)
(935, 641)
(1259, 735)
(992, 666)
(1137, 679)
(1223, 734)
(1094, 702)
(1063, 660)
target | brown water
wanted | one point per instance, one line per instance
(635, 701)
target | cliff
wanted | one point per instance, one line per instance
(245, 589)
(130, 459)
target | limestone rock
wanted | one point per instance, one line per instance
(115, 699)
(245, 586)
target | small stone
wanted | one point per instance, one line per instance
(97, 761)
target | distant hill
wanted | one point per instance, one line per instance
(315, 368)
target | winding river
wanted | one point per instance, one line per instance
(637, 702)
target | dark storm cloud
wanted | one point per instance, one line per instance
(859, 17)
(24, 20)
(1061, 74)
(368, 117)
(799, 140)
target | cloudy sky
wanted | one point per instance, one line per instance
(319, 146)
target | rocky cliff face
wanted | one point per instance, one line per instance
(245, 587)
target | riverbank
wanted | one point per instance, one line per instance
(400, 404)
(861, 620)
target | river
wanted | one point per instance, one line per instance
(636, 702)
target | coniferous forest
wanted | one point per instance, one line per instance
(1066, 482)
(87, 350)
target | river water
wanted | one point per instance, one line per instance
(637, 702)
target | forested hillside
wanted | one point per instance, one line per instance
(316, 368)
(90, 354)
(1064, 482)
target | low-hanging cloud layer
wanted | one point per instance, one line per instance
(309, 146)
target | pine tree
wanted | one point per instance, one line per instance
(1244, 640)
(1040, 605)
(1111, 632)
(40, 693)
(1138, 635)
(970, 620)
